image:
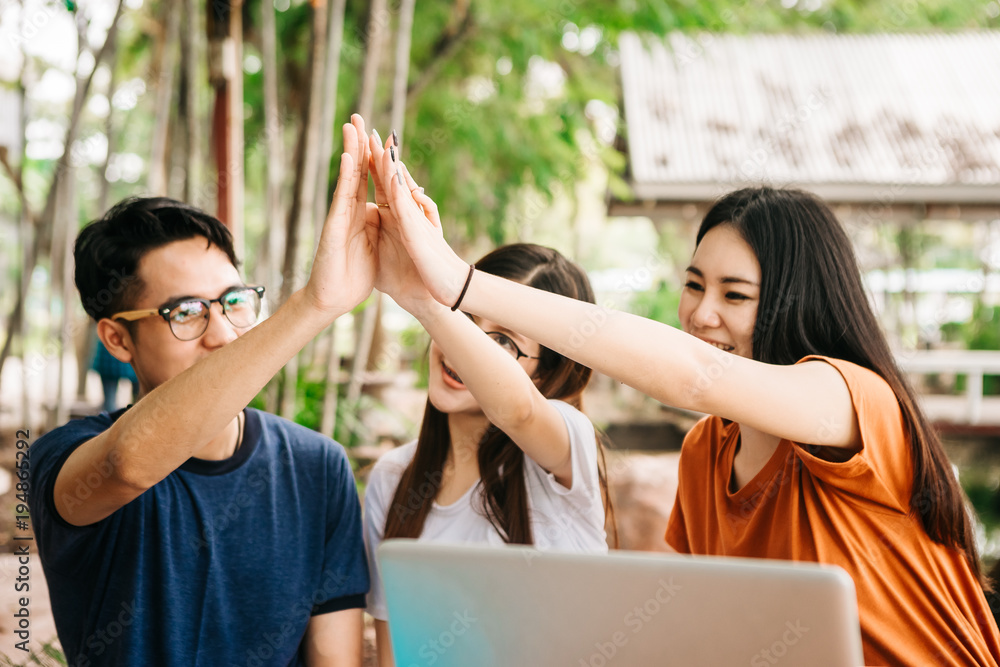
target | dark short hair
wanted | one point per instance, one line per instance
(108, 250)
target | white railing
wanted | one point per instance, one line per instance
(974, 364)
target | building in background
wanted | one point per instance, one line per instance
(900, 133)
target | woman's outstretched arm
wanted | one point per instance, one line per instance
(807, 403)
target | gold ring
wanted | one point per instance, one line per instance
(382, 205)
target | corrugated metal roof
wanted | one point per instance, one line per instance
(914, 117)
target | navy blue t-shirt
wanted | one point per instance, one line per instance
(221, 563)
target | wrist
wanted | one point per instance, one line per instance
(308, 314)
(426, 310)
(465, 287)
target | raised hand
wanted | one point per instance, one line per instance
(344, 268)
(397, 275)
(419, 227)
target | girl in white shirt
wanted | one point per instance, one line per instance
(504, 454)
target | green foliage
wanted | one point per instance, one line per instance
(310, 401)
(659, 304)
(980, 332)
(416, 343)
(984, 328)
(985, 498)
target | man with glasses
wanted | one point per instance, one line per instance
(189, 529)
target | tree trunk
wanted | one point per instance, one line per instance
(191, 49)
(44, 224)
(273, 146)
(334, 42)
(377, 31)
(273, 250)
(378, 28)
(225, 27)
(335, 39)
(61, 252)
(105, 191)
(20, 324)
(67, 212)
(158, 167)
(234, 128)
(14, 322)
(305, 186)
(45, 221)
(404, 36)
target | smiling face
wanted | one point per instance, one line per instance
(188, 268)
(722, 292)
(445, 389)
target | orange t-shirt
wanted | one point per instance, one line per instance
(918, 601)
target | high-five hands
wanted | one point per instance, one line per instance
(395, 244)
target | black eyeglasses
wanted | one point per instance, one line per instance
(508, 344)
(188, 318)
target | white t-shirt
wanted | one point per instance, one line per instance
(562, 519)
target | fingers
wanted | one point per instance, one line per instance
(410, 183)
(389, 173)
(400, 197)
(426, 203)
(359, 140)
(350, 139)
(372, 216)
(429, 206)
(341, 198)
(376, 150)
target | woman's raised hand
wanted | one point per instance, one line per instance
(397, 276)
(415, 216)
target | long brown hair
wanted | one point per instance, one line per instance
(812, 301)
(501, 462)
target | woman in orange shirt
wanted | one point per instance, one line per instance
(816, 450)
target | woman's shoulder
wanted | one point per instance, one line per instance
(394, 462)
(864, 384)
(572, 414)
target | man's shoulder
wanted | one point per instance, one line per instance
(72, 433)
(289, 430)
(299, 440)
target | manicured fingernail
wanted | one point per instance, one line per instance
(399, 175)
(395, 138)
(377, 138)
(420, 191)
(392, 153)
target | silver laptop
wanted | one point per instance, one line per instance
(476, 606)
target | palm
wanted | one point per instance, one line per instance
(397, 276)
(343, 271)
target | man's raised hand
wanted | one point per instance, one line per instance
(344, 268)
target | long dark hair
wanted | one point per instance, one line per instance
(501, 462)
(812, 302)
